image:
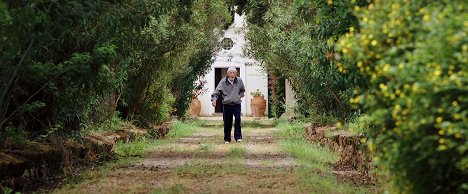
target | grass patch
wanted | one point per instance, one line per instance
(181, 129)
(310, 155)
(237, 152)
(252, 124)
(129, 152)
(236, 155)
(199, 170)
(212, 124)
(139, 147)
(320, 182)
(174, 189)
(194, 122)
(258, 123)
(267, 162)
(315, 160)
(290, 131)
(135, 148)
(205, 147)
(193, 170)
(114, 124)
(307, 154)
(73, 182)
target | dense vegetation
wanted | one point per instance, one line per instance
(296, 41)
(415, 55)
(67, 66)
(395, 70)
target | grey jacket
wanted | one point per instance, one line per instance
(231, 93)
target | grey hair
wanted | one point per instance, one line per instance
(231, 69)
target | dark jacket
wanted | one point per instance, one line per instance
(231, 93)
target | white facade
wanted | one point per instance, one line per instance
(251, 72)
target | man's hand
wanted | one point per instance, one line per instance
(213, 103)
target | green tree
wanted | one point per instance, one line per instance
(297, 40)
(415, 54)
(58, 61)
(68, 65)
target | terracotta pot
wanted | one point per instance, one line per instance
(262, 107)
(258, 106)
(195, 107)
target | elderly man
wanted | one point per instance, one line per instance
(231, 89)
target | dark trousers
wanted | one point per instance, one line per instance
(228, 112)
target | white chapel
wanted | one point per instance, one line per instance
(231, 54)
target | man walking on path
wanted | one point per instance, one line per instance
(231, 89)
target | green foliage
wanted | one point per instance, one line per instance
(13, 136)
(237, 152)
(310, 155)
(203, 33)
(256, 93)
(181, 129)
(138, 147)
(296, 41)
(314, 160)
(55, 68)
(74, 64)
(415, 56)
(176, 48)
(114, 124)
(7, 190)
(133, 149)
(277, 97)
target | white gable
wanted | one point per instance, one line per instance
(252, 74)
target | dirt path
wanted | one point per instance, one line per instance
(202, 163)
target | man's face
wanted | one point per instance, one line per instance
(232, 74)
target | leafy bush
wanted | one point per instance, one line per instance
(73, 64)
(415, 55)
(296, 40)
(55, 68)
(175, 48)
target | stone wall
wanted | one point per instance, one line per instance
(27, 167)
(355, 161)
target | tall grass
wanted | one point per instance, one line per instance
(315, 160)
(307, 154)
(182, 129)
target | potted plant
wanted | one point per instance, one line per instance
(258, 103)
(195, 104)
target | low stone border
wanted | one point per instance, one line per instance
(22, 168)
(355, 161)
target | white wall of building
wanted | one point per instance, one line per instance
(251, 72)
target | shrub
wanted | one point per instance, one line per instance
(415, 55)
(68, 65)
(296, 40)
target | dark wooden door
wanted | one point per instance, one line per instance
(220, 73)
